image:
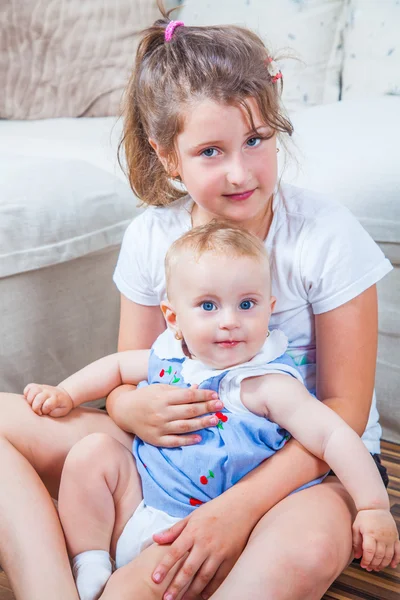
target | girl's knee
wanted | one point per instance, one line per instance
(319, 559)
(131, 583)
(10, 411)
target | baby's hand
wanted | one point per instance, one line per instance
(376, 539)
(48, 400)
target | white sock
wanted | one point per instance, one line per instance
(92, 570)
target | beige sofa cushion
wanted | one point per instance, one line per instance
(68, 58)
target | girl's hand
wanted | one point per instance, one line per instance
(214, 537)
(48, 400)
(376, 540)
(162, 413)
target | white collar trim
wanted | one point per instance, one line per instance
(194, 372)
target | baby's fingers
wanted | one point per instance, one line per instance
(38, 402)
(357, 543)
(379, 556)
(396, 556)
(369, 548)
(31, 391)
(50, 404)
(389, 554)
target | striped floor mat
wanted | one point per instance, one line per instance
(354, 583)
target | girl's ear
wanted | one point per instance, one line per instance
(272, 303)
(169, 316)
(163, 158)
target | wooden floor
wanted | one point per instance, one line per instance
(354, 583)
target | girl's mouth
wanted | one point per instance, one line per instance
(241, 196)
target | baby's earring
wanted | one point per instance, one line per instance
(278, 150)
(178, 336)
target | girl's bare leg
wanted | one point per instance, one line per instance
(100, 490)
(32, 547)
(294, 553)
(297, 549)
(134, 582)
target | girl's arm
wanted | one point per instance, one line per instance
(346, 354)
(158, 414)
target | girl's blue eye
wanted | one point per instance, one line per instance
(246, 304)
(208, 152)
(254, 141)
(208, 306)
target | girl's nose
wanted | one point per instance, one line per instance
(237, 173)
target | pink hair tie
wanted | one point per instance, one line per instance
(274, 70)
(169, 30)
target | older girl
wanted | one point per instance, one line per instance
(203, 108)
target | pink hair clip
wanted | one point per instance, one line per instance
(169, 30)
(273, 70)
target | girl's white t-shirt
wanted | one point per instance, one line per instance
(320, 255)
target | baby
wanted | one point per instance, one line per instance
(217, 338)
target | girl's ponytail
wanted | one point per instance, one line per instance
(146, 174)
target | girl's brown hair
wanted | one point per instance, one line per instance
(226, 64)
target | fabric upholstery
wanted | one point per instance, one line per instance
(371, 49)
(310, 31)
(68, 58)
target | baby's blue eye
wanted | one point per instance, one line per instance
(208, 306)
(246, 304)
(208, 152)
(254, 141)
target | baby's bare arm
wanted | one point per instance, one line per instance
(287, 402)
(90, 383)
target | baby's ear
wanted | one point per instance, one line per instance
(272, 303)
(169, 315)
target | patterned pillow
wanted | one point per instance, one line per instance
(309, 30)
(68, 58)
(372, 49)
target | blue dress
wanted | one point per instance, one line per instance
(177, 480)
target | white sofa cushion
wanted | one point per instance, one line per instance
(372, 49)
(349, 149)
(311, 29)
(56, 204)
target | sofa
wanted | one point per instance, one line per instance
(65, 202)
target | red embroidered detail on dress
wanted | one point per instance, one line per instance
(195, 502)
(203, 478)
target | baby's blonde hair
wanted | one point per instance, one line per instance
(217, 237)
